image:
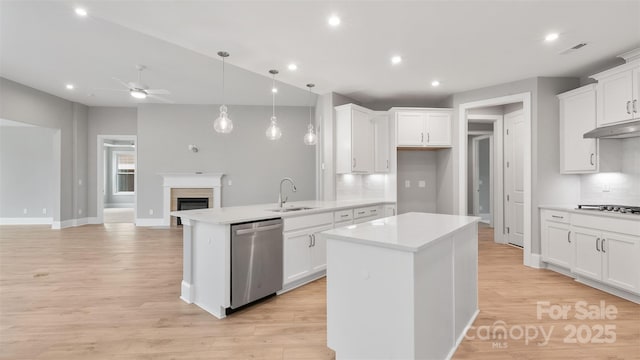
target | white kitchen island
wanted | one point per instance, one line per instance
(402, 287)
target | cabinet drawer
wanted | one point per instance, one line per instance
(343, 215)
(556, 216)
(367, 211)
(307, 221)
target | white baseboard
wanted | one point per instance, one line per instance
(69, 223)
(150, 222)
(462, 335)
(26, 221)
(94, 220)
(119, 205)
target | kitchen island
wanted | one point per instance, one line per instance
(402, 287)
(207, 244)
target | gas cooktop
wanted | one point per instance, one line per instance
(623, 209)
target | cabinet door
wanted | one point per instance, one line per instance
(297, 256)
(361, 141)
(621, 260)
(557, 244)
(389, 210)
(438, 129)
(381, 145)
(615, 95)
(319, 251)
(635, 105)
(588, 261)
(411, 128)
(578, 116)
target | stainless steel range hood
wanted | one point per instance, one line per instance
(617, 131)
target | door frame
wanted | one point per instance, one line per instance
(100, 185)
(528, 258)
(475, 142)
(507, 213)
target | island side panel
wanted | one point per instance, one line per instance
(369, 301)
(186, 291)
(211, 267)
(465, 271)
(434, 305)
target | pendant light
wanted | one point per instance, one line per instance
(273, 131)
(310, 137)
(223, 123)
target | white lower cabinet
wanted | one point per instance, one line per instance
(558, 246)
(588, 255)
(304, 253)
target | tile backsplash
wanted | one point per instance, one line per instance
(356, 186)
(620, 188)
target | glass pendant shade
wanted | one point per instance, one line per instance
(310, 137)
(223, 123)
(273, 131)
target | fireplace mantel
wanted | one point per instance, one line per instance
(188, 180)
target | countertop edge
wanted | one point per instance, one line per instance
(570, 209)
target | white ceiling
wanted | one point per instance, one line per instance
(464, 44)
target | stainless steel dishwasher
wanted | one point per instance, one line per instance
(256, 260)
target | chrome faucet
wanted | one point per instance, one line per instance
(281, 201)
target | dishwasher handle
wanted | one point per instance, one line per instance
(258, 229)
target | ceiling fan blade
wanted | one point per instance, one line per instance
(122, 82)
(109, 89)
(158, 92)
(161, 99)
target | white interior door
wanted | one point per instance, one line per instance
(514, 177)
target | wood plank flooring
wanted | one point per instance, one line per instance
(111, 292)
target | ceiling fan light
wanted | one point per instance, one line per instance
(223, 123)
(310, 137)
(138, 93)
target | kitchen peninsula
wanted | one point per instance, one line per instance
(402, 287)
(208, 276)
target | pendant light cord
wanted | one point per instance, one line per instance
(222, 80)
(273, 96)
(309, 105)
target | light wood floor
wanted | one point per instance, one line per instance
(111, 292)
(118, 215)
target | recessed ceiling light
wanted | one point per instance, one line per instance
(81, 11)
(396, 60)
(293, 67)
(334, 20)
(69, 86)
(551, 37)
(274, 90)
(435, 83)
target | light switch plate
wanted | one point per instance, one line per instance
(422, 183)
(407, 183)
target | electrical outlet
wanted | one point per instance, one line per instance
(606, 188)
(44, 211)
(230, 182)
(25, 211)
(150, 211)
(79, 182)
(79, 211)
(422, 183)
(407, 183)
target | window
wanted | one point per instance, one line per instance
(124, 172)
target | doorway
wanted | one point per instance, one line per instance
(482, 178)
(117, 179)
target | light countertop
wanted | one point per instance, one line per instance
(238, 214)
(408, 232)
(571, 209)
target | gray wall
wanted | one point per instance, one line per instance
(111, 199)
(415, 166)
(548, 186)
(26, 178)
(254, 163)
(105, 121)
(24, 104)
(484, 170)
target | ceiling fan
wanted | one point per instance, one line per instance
(139, 90)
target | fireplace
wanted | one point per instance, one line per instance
(191, 204)
(189, 185)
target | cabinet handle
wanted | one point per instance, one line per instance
(597, 244)
(628, 104)
(635, 105)
(421, 137)
(354, 163)
(310, 241)
(569, 237)
(387, 164)
(344, 215)
(394, 211)
(557, 216)
(373, 211)
(602, 245)
(591, 158)
(428, 137)
(360, 212)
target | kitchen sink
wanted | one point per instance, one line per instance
(289, 209)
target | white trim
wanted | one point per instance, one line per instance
(100, 185)
(27, 221)
(462, 335)
(119, 205)
(525, 98)
(536, 261)
(69, 223)
(149, 222)
(93, 220)
(189, 180)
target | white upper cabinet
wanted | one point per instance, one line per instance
(382, 144)
(578, 116)
(354, 139)
(618, 91)
(423, 127)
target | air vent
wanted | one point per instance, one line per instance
(573, 48)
